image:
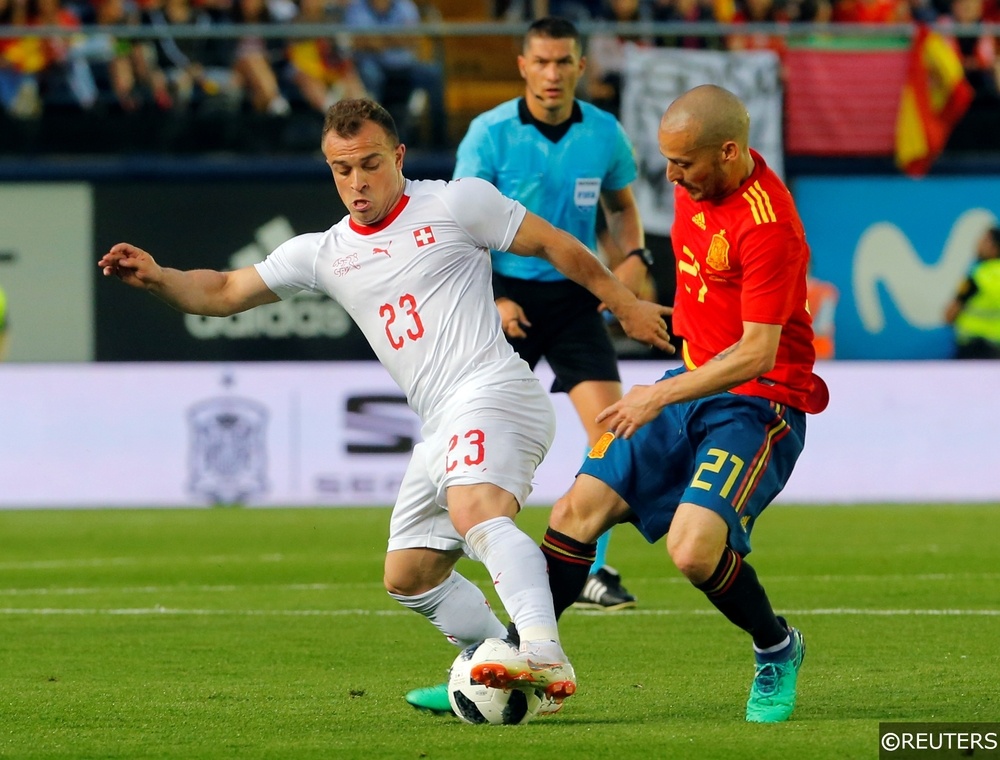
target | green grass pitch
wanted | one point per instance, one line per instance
(263, 633)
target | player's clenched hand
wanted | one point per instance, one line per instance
(635, 409)
(512, 318)
(643, 321)
(131, 265)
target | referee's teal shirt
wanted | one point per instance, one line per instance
(560, 181)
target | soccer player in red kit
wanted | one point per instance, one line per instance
(698, 455)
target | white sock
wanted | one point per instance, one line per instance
(458, 609)
(520, 576)
(775, 648)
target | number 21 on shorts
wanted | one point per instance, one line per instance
(721, 461)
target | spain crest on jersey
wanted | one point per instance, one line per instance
(718, 252)
(601, 447)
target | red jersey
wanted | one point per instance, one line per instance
(743, 259)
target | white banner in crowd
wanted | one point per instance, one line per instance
(654, 77)
(339, 434)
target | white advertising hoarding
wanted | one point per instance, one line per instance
(339, 433)
(655, 77)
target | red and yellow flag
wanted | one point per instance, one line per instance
(935, 97)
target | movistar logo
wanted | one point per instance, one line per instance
(885, 258)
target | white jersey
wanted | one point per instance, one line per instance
(419, 286)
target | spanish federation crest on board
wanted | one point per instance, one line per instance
(228, 454)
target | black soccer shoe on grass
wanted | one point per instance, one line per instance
(604, 591)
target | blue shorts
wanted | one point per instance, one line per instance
(729, 453)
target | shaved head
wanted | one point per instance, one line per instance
(710, 115)
(704, 135)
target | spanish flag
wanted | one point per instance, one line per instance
(935, 97)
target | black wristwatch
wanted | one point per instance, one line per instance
(645, 254)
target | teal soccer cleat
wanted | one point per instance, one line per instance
(772, 694)
(432, 699)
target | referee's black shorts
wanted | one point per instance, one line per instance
(566, 329)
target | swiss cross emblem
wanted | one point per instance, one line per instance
(423, 236)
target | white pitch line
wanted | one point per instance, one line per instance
(229, 588)
(818, 612)
(141, 611)
(60, 564)
(834, 578)
(158, 610)
(218, 588)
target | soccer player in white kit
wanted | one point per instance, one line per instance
(411, 264)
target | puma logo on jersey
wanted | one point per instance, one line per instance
(376, 250)
(699, 219)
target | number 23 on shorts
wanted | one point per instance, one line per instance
(468, 448)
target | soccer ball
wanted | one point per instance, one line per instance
(475, 703)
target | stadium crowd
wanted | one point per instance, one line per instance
(46, 78)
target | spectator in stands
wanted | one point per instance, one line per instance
(980, 125)
(871, 11)
(757, 12)
(115, 63)
(923, 11)
(574, 10)
(975, 310)
(185, 72)
(256, 59)
(811, 11)
(606, 53)
(686, 10)
(321, 70)
(531, 10)
(979, 54)
(64, 77)
(390, 67)
(20, 60)
(220, 11)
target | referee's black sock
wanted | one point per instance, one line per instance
(569, 564)
(736, 592)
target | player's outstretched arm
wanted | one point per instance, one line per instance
(195, 291)
(641, 320)
(750, 357)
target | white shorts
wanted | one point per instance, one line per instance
(497, 434)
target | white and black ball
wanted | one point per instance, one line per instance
(475, 703)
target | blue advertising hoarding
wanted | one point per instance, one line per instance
(896, 249)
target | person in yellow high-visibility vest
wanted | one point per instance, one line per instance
(3, 324)
(975, 310)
